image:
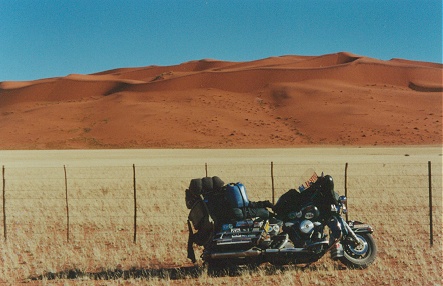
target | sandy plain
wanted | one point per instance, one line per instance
(159, 157)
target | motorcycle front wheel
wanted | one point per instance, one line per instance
(359, 255)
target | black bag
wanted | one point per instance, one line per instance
(241, 207)
(205, 185)
(287, 203)
(200, 221)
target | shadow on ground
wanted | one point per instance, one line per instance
(165, 273)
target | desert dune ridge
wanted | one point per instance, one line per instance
(337, 99)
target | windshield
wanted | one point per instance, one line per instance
(307, 179)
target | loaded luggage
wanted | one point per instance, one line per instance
(221, 213)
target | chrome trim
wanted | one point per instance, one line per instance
(284, 242)
(352, 233)
(285, 250)
(235, 254)
(233, 242)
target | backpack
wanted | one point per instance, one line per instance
(200, 221)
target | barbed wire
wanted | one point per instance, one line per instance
(108, 189)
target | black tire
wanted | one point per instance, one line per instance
(207, 185)
(217, 183)
(359, 257)
(195, 186)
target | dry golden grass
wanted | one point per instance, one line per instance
(385, 189)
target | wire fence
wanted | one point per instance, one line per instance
(84, 203)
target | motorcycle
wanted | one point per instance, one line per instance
(305, 225)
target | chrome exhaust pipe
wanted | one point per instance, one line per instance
(285, 250)
(236, 254)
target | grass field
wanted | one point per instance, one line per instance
(387, 188)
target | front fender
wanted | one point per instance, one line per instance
(360, 227)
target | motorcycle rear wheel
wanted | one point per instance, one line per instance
(359, 256)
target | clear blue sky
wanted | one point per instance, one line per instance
(40, 39)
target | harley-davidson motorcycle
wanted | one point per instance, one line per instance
(304, 225)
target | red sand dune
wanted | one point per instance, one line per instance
(288, 101)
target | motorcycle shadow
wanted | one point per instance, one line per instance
(266, 270)
(175, 273)
(117, 274)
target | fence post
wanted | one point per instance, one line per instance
(431, 231)
(346, 189)
(67, 204)
(206, 169)
(272, 181)
(135, 204)
(4, 203)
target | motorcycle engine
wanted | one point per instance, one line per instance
(306, 226)
(303, 227)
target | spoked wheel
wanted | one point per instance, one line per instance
(359, 255)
